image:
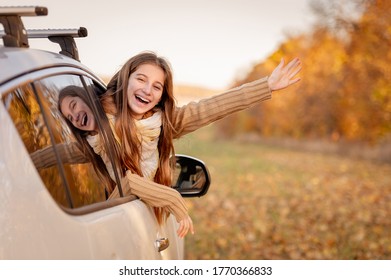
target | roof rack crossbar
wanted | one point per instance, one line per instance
(46, 33)
(23, 11)
(63, 37)
(10, 18)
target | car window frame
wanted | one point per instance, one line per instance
(33, 77)
(104, 127)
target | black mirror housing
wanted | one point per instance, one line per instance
(191, 176)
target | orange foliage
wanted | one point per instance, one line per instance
(345, 91)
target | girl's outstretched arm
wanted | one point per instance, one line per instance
(195, 115)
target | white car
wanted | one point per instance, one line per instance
(52, 204)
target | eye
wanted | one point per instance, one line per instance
(157, 87)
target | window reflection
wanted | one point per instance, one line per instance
(84, 184)
(70, 179)
(26, 114)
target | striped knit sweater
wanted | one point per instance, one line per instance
(189, 118)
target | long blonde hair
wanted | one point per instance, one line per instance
(115, 101)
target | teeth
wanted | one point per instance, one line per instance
(84, 120)
(142, 99)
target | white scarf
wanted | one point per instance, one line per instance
(96, 143)
(148, 131)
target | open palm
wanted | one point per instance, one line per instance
(284, 75)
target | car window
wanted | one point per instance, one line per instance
(69, 177)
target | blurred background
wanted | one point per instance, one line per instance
(305, 175)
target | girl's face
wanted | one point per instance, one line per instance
(78, 113)
(145, 89)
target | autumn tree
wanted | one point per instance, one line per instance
(344, 93)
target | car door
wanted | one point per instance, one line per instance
(56, 205)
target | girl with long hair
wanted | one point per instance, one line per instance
(140, 105)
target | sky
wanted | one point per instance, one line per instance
(209, 43)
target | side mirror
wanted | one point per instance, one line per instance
(191, 176)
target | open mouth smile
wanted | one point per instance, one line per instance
(142, 100)
(84, 120)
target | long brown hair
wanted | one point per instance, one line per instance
(115, 101)
(80, 135)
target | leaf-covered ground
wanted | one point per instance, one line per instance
(273, 203)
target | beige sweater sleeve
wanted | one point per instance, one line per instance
(153, 194)
(68, 153)
(198, 114)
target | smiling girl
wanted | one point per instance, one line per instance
(140, 105)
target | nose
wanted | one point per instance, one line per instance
(147, 88)
(75, 118)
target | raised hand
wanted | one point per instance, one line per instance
(284, 75)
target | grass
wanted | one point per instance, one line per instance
(275, 203)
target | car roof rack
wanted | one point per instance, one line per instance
(10, 18)
(15, 35)
(63, 37)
